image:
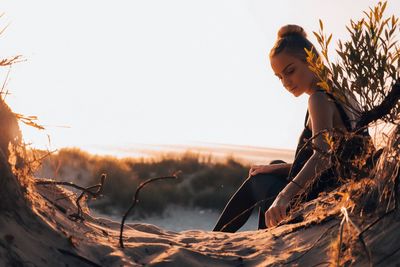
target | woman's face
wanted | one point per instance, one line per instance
(294, 74)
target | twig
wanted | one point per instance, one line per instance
(42, 157)
(86, 191)
(364, 244)
(384, 108)
(361, 239)
(5, 28)
(10, 61)
(174, 176)
(5, 83)
(341, 236)
(347, 219)
(29, 120)
(79, 214)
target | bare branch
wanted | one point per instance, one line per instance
(383, 109)
(85, 191)
(136, 199)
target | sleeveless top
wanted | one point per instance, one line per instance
(303, 152)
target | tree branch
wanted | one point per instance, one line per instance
(174, 176)
(384, 108)
(88, 191)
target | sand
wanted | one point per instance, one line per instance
(45, 235)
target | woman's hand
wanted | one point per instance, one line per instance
(256, 169)
(277, 211)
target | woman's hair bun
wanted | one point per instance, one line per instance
(291, 29)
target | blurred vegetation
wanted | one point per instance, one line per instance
(203, 182)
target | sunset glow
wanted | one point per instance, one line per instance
(119, 73)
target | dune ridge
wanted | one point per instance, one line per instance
(46, 236)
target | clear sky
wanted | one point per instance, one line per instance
(125, 72)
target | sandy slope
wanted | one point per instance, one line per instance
(46, 236)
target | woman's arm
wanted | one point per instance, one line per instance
(321, 113)
(280, 169)
(315, 165)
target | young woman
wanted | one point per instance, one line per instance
(274, 186)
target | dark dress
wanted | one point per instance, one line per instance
(261, 190)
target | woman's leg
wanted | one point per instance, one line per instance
(263, 207)
(259, 189)
(277, 161)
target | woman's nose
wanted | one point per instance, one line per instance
(286, 83)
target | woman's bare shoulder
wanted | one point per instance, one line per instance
(319, 97)
(321, 109)
(320, 101)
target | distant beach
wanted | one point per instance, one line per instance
(178, 218)
(244, 154)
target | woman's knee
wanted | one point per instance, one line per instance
(263, 184)
(277, 161)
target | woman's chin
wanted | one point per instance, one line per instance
(296, 93)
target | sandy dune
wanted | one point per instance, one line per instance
(46, 236)
(37, 229)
